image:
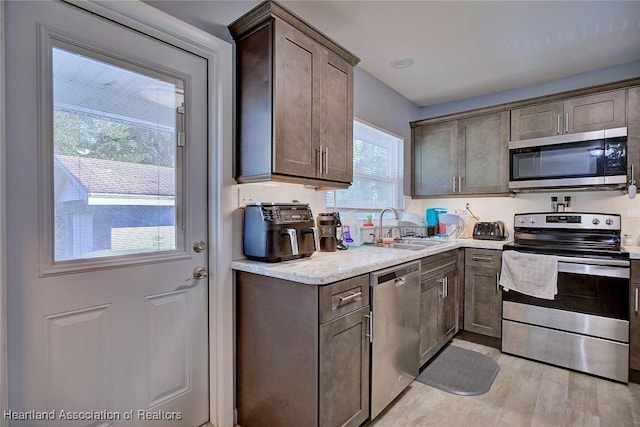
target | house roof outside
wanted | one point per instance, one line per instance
(109, 177)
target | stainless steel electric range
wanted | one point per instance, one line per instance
(585, 327)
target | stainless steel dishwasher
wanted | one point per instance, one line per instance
(395, 326)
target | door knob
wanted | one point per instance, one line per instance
(200, 273)
(199, 246)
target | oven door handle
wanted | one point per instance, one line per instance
(595, 261)
(594, 270)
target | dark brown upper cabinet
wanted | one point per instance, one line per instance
(573, 115)
(294, 98)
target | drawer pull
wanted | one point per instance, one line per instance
(482, 258)
(349, 297)
(498, 282)
(637, 289)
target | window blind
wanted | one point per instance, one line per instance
(377, 171)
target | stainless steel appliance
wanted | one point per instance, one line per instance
(596, 159)
(328, 224)
(490, 230)
(274, 232)
(395, 326)
(586, 326)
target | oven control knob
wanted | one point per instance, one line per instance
(609, 221)
(595, 221)
(532, 220)
(521, 220)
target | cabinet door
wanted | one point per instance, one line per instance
(483, 154)
(344, 370)
(537, 121)
(435, 168)
(297, 61)
(429, 303)
(633, 130)
(448, 312)
(482, 301)
(595, 112)
(336, 133)
(634, 339)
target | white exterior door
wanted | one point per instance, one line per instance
(107, 197)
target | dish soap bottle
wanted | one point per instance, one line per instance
(351, 222)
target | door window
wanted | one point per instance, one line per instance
(116, 169)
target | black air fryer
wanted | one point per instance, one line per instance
(275, 232)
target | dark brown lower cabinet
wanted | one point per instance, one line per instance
(634, 323)
(302, 356)
(438, 302)
(482, 295)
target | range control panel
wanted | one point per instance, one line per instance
(590, 221)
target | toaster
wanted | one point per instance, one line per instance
(489, 230)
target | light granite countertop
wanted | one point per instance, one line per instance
(634, 251)
(328, 267)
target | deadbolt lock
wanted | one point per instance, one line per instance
(199, 246)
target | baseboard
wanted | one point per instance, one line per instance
(634, 376)
(480, 339)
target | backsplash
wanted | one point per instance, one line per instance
(486, 208)
(278, 192)
(503, 208)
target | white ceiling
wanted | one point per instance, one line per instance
(461, 49)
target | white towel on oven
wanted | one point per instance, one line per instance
(531, 274)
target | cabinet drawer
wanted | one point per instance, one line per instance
(343, 297)
(438, 264)
(635, 271)
(488, 258)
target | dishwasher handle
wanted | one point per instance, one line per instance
(398, 274)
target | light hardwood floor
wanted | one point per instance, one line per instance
(524, 393)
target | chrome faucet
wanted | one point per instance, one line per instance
(395, 213)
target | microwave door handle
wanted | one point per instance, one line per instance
(293, 239)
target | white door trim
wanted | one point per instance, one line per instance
(149, 20)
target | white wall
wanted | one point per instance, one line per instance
(243, 194)
(503, 208)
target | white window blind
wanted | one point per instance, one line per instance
(377, 171)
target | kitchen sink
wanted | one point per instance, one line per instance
(411, 244)
(422, 242)
(396, 245)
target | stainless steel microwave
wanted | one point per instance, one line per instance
(588, 160)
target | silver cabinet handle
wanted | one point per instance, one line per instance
(459, 183)
(558, 124)
(497, 281)
(347, 298)
(482, 258)
(320, 161)
(637, 289)
(326, 161)
(370, 333)
(453, 184)
(566, 122)
(442, 281)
